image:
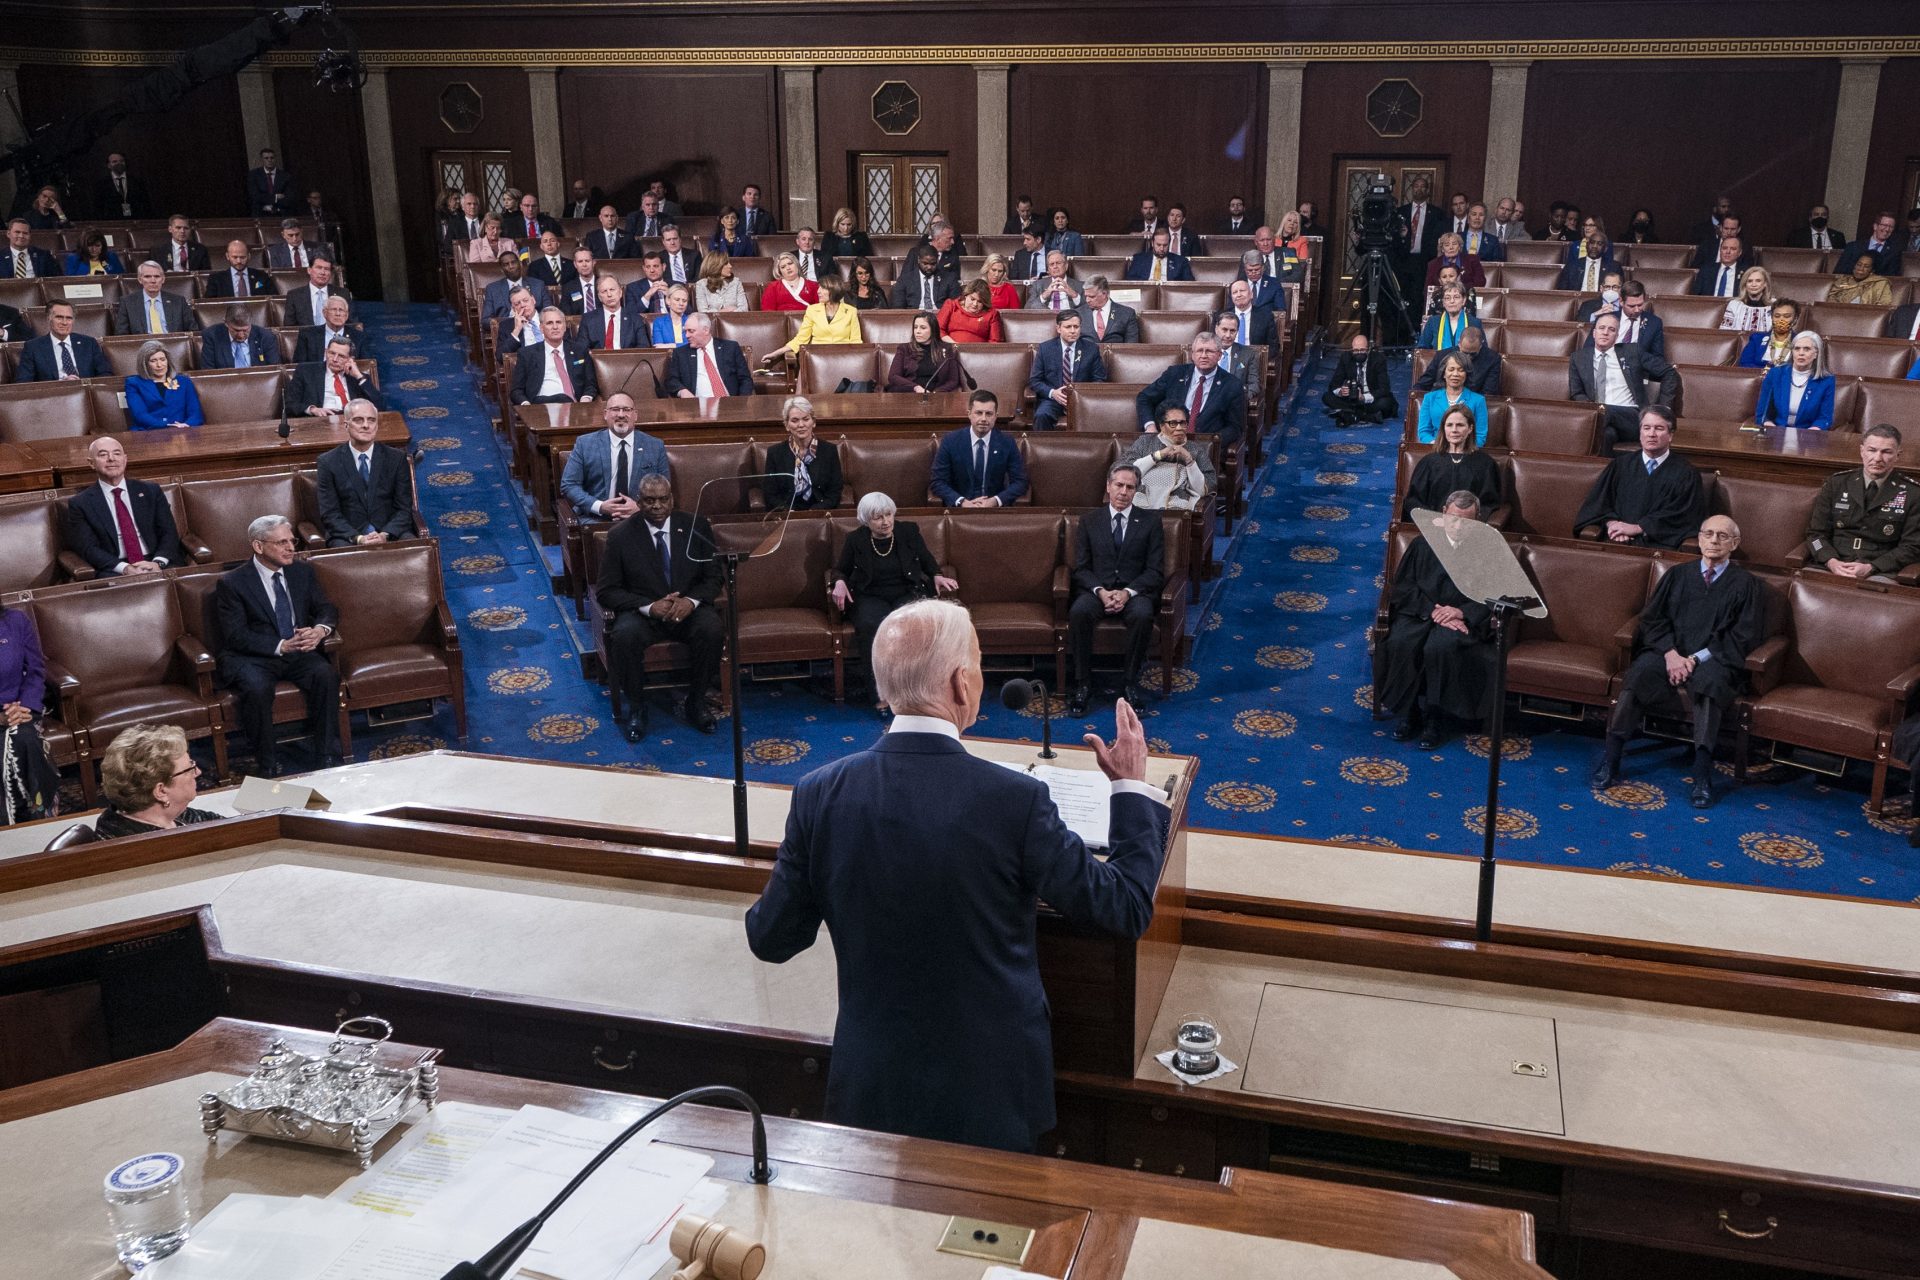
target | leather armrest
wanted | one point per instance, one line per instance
(1909, 576)
(62, 681)
(1797, 558)
(75, 568)
(443, 619)
(310, 534)
(756, 499)
(1500, 515)
(193, 653)
(1765, 664)
(1062, 589)
(1623, 638)
(196, 546)
(1902, 685)
(1173, 596)
(1591, 532)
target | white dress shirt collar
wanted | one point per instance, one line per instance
(924, 724)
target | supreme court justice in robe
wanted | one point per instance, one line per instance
(657, 592)
(1652, 498)
(1695, 635)
(1440, 655)
(925, 863)
(1456, 463)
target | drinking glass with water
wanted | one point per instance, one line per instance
(147, 1208)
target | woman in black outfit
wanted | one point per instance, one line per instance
(1456, 463)
(803, 472)
(883, 564)
(1640, 228)
(149, 781)
(844, 240)
(926, 364)
(863, 287)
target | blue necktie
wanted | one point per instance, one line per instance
(282, 607)
(666, 557)
(240, 355)
(365, 474)
(1651, 464)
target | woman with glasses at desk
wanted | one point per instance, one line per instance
(150, 782)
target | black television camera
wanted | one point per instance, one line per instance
(1376, 219)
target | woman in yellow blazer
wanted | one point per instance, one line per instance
(830, 320)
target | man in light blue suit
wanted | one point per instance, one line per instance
(926, 863)
(604, 470)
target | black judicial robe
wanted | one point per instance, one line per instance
(1438, 666)
(1439, 474)
(1669, 505)
(1685, 614)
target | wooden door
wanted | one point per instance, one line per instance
(897, 194)
(1351, 182)
(488, 173)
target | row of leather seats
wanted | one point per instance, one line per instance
(123, 352)
(1666, 282)
(698, 231)
(1676, 311)
(150, 233)
(1012, 567)
(31, 297)
(97, 406)
(1773, 258)
(1865, 357)
(1834, 674)
(127, 651)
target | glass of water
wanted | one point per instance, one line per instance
(147, 1208)
(1196, 1045)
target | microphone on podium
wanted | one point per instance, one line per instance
(498, 1262)
(1017, 695)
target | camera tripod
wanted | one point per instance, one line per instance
(1374, 280)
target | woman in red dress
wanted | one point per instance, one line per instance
(788, 290)
(972, 317)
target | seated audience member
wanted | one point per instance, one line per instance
(558, 371)
(1858, 284)
(1216, 402)
(583, 199)
(1022, 217)
(1156, 263)
(46, 212)
(754, 216)
(1175, 474)
(237, 279)
(60, 354)
(657, 592)
(1449, 278)
(1360, 391)
(1443, 329)
(971, 316)
(1510, 221)
(1456, 463)
(149, 781)
(150, 308)
(491, 244)
(1280, 261)
(1798, 393)
(1056, 290)
(1719, 276)
(29, 784)
(1265, 293)
(1751, 309)
(24, 260)
(577, 297)
(683, 260)
(864, 290)
(613, 326)
(604, 468)
(308, 303)
(531, 224)
(548, 265)
(716, 289)
(1253, 325)
(1453, 254)
(366, 488)
(13, 325)
(1607, 372)
(648, 220)
(1030, 262)
(1117, 572)
(520, 327)
(93, 258)
(1691, 655)
(1651, 497)
(120, 525)
(269, 187)
(1440, 655)
(1182, 241)
(1881, 246)
(1866, 522)
(830, 321)
(1587, 263)
(290, 252)
(1640, 228)
(1478, 240)
(1235, 359)
(610, 241)
(1483, 366)
(978, 465)
(1773, 345)
(1143, 226)
(788, 290)
(1003, 292)
(648, 294)
(1239, 219)
(160, 396)
(1905, 322)
(328, 387)
(182, 252)
(844, 240)
(1638, 325)
(669, 207)
(924, 287)
(274, 617)
(883, 564)
(1291, 249)
(730, 237)
(670, 326)
(1104, 319)
(314, 340)
(239, 343)
(465, 218)
(1612, 281)
(1061, 236)
(1310, 228)
(1451, 389)
(493, 303)
(707, 365)
(1716, 218)
(816, 264)
(926, 363)
(1059, 365)
(803, 471)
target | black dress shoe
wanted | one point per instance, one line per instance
(1139, 695)
(1082, 698)
(1432, 736)
(1701, 794)
(698, 716)
(1913, 836)
(1405, 728)
(1604, 775)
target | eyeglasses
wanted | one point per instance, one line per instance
(181, 773)
(1717, 535)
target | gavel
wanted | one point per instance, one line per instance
(712, 1250)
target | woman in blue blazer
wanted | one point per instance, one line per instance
(670, 326)
(1451, 390)
(159, 398)
(1063, 237)
(1798, 393)
(93, 258)
(730, 238)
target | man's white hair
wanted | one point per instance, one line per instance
(916, 652)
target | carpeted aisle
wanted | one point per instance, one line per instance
(1273, 701)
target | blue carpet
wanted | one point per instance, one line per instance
(1273, 700)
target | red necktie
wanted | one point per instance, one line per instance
(130, 545)
(560, 367)
(1199, 398)
(613, 331)
(713, 373)
(299, 256)
(1100, 325)
(180, 257)
(340, 389)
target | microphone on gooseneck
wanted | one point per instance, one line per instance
(1018, 694)
(286, 428)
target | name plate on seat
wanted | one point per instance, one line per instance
(93, 291)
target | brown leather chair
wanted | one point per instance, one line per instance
(1212, 270)
(46, 411)
(1845, 320)
(1008, 565)
(241, 395)
(1547, 490)
(896, 466)
(214, 513)
(397, 639)
(195, 589)
(1793, 261)
(1523, 277)
(668, 656)
(1202, 296)
(1841, 677)
(1803, 289)
(753, 275)
(786, 613)
(1534, 378)
(1028, 326)
(1655, 255)
(31, 553)
(1540, 338)
(1104, 407)
(1664, 283)
(823, 367)
(1534, 253)
(1002, 368)
(1543, 426)
(22, 295)
(691, 466)
(123, 352)
(1724, 394)
(1490, 304)
(1171, 328)
(1109, 635)
(89, 291)
(1140, 362)
(260, 311)
(1772, 515)
(1682, 310)
(619, 371)
(1703, 346)
(1591, 594)
(887, 328)
(122, 655)
(1882, 401)
(1869, 358)
(1068, 469)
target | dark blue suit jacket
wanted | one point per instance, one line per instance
(1573, 272)
(1223, 415)
(926, 865)
(953, 469)
(1266, 294)
(216, 347)
(1140, 266)
(1706, 280)
(1776, 393)
(40, 363)
(1049, 357)
(1885, 263)
(44, 264)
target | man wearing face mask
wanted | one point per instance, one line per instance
(1815, 233)
(1611, 281)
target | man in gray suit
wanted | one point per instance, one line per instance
(605, 468)
(1509, 222)
(151, 309)
(1236, 358)
(1103, 319)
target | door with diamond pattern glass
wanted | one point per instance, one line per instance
(489, 173)
(899, 194)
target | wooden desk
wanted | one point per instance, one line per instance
(843, 1203)
(1776, 453)
(200, 450)
(22, 470)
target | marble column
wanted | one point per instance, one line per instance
(1285, 82)
(11, 134)
(1853, 114)
(549, 171)
(990, 115)
(800, 138)
(376, 116)
(1506, 124)
(259, 119)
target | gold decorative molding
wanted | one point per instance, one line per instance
(1850, 47)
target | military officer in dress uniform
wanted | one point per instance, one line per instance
(1866, 523)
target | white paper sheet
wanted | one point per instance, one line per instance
(427, 1158)
(1083, 797)
(249, 1237)
(395, 1250)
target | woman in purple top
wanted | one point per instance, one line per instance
(28, 781)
